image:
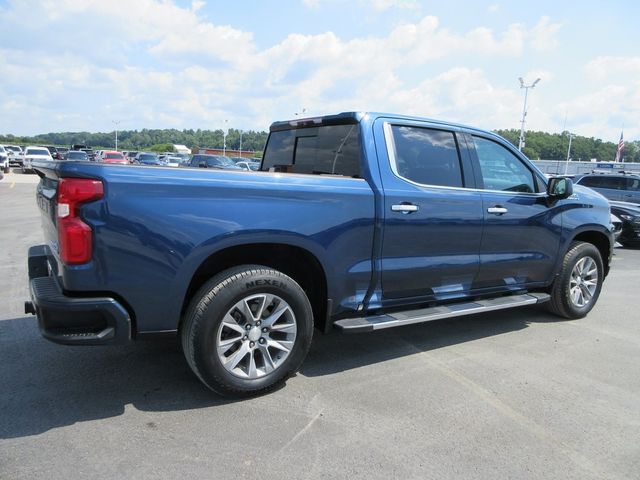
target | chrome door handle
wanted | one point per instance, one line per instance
(497, 210)
(404, 208)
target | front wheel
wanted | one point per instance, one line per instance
(247, 330)
(576, 289)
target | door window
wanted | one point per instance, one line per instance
(427, 156)
(501, 169)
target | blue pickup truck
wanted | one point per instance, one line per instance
(355, 222)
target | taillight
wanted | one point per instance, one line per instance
(75, 237)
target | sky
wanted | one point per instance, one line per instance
(89, 65)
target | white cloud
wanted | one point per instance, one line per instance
(154, 63)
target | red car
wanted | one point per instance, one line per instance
(110, 156)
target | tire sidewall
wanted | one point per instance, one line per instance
(253, 281)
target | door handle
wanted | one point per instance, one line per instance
(497, 210)
(405, 208)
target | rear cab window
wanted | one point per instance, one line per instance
(322, 150)
(426, 156)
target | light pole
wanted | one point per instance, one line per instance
(524, 110)
(224, 138)
(116, 123)
(240, 154)
(566, 165)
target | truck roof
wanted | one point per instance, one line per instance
(355, 117)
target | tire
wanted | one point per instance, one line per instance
(233, 359)
(629, 243)
(576, 289)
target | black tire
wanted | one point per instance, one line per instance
(561, 303)
(202, 326)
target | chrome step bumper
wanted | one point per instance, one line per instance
(397, 319)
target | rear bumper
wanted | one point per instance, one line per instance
(72, 320)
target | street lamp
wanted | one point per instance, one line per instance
(116, 123)
(240, 154)
(524, 110)
(566, 165)
(224, 138)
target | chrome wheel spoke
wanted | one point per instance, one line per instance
(269, 365)
(233, 361)
(231, 323)
(281, 309)
(283, 345)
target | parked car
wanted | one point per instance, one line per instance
(4, 159)
(112, 156)
(78, 146)
(251, 166)
(147, 158)
(77, 156)
(32, 154)
(201, 160)
(171, 161)
(629, 214)
(368, 221)
(90, 153)
(131, 156)
(53, 151)
(620, 187)
(62, 153)
(97, 156)
(15, 155)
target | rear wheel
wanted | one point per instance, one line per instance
(576, 289)
(247, 330)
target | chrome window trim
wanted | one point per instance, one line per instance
(391, 153)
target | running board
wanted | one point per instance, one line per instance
(397, 319)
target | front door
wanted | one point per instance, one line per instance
(521, 234)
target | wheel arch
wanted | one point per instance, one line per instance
(599, 239)
(296, 262)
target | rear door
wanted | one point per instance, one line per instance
(432, 216)
(521, 234)
(632, 192)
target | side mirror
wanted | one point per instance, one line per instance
(559, 187)
(202, 164)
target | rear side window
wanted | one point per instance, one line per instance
(501, 169)
(633, 184)
(331, 149)
(613, 183)
(427, 156)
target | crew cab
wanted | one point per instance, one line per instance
(355, 222)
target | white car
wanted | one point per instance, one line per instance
(15, 155)
(32, 154)
(4, 159)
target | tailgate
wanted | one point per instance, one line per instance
(46, 197)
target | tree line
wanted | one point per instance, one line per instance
(539, 145)
(554, 146)
(146, 138)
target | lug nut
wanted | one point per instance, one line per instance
(252, 344)
(265, 329)
(261, 340)
(245, 337)
(247, 326)
(258, 323)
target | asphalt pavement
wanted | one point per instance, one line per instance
(514, 394)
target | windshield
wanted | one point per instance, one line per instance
(37, 151)
(15, 149)
(119, 156)
(76, 156)
(147, 156)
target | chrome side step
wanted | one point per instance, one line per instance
(397, 319)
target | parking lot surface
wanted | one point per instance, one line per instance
(513, 394)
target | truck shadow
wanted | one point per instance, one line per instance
(46, 386)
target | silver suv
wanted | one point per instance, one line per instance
(621, 187)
